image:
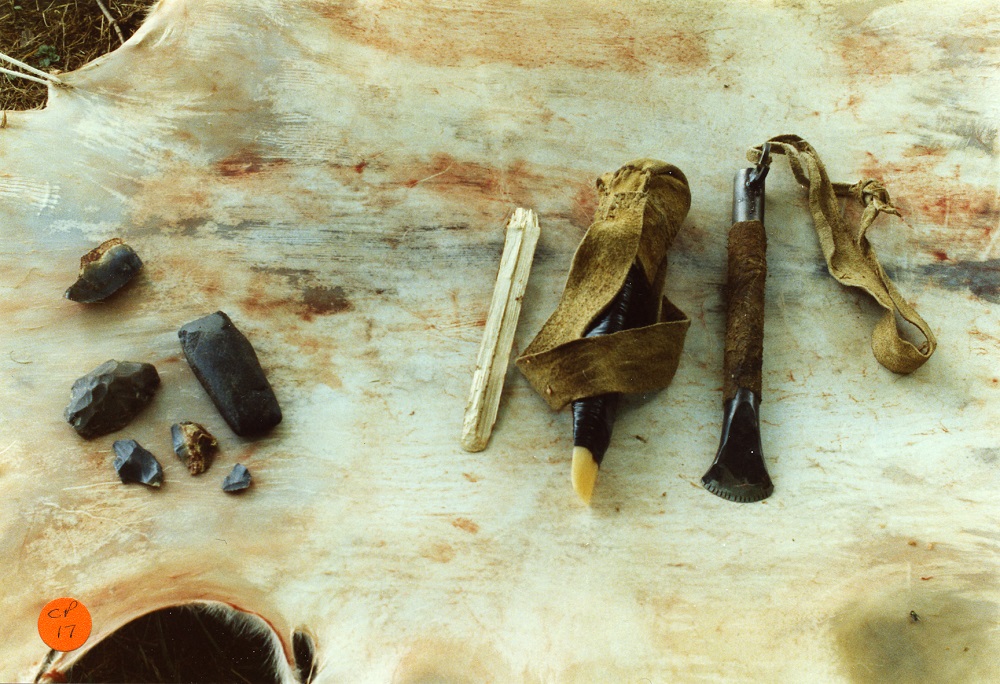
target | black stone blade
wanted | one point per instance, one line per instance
(135, 464)
(194, 445)
(226, 364)
(110, 396)
(103, 271)
(237, 480)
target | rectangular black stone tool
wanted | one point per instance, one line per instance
(226, 364)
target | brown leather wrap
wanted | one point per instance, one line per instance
(745, 316)
(642, 206)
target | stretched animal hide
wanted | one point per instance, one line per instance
(336, 176)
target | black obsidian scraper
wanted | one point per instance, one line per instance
(226, 364)
(594, 417)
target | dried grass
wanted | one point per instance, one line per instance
(58, 36)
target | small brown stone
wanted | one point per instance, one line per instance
(194, 445)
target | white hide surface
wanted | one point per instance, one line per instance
(336, 177)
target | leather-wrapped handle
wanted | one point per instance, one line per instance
(744, 354)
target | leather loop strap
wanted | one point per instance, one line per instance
(850, 257)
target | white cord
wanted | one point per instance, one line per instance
(48, 78)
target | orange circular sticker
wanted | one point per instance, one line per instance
(64, 624)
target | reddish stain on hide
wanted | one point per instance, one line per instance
(597, 37)
(240, 163)
(260, 303)
(465, 524)
(268, 294)
(583, 206)
(244, 163)
(467, 180)
(322, 301)
(204, 282)
(440, 552)
(924, 188)
(290, 301)
(870, 55)
(940, 254)
(925, 151)
(247, 453)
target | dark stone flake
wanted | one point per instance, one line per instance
(103, 271)
(135, 464)
(237, 480)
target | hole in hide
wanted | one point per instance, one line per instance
(190, 643)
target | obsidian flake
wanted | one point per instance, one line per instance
(111, 395)
(237, 480)
(103, 271)
(135, 464)
(226, 364)
(194, 445)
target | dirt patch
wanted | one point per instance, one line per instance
(60, 36)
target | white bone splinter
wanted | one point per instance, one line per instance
(498, 335)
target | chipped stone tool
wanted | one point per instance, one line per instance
(738, 473)
(103, 271)
(135, 464)
(108, 397)
(194, 445)
(237, 480)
